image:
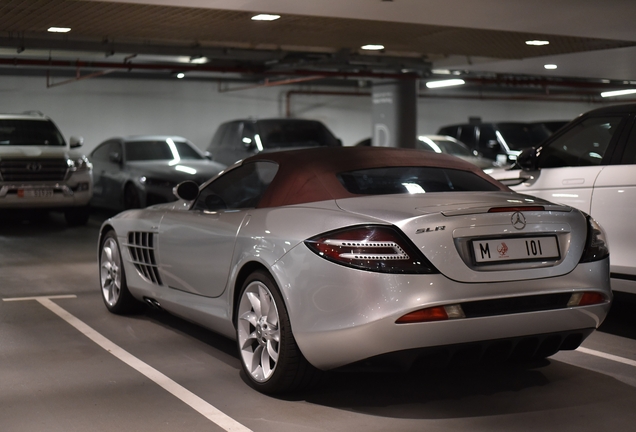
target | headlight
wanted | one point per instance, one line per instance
(79, 164)
(156, 182)
(596, 245)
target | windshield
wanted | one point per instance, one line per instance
(443, 146)
(30, 133)
(160, 150)
(399, 180)
(519, 136)
(294, 133)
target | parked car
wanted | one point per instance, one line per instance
(552, 125)
(449, 145)
(139, 171)
(501, 141)
(591, 165)
(238, 139)
(315, 259)
(40, 170)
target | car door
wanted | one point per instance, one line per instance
(106, 160)
(196, 247)
(570, 164)
(613, 202)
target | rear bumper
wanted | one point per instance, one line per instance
(341, 315)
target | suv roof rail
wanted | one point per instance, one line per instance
(34, 113)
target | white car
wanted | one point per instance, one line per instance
(321, 258)
(39, 169)
(591, 165)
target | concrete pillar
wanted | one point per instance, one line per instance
(395, 113)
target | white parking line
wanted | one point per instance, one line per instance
(607, 356)
(210, 412)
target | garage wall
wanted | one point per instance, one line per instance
(101, 108)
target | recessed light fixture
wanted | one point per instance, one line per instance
(59, 29)
(265, 17)
(441, 71)
(618, 93)
(180, 75)
(445, 83)
(199, 60)
(372, 47)
(550, 66)
(537, 42)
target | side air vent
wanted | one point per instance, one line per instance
(142, 252)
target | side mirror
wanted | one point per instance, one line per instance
(528, 159)
(187, 190)
(76, 141)
(208, 155)
(115, 157)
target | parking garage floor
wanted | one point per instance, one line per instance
(66, 364)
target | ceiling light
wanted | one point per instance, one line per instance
(537, 42)
(199, 60)
(550, 66)
(372, 47)
(441, 71)
(180, 75)
(445, 83)
(265, 17)
(618, 93)
(59, 29)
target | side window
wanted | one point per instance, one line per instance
(101, 153)
(629, 157)
(242, 187)
(217, 139)
(467, 136)
(582, 145)
(487, 135)
(232, 135)
(247, 135)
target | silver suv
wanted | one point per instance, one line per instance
(38, 169)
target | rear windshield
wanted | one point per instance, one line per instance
(281, 133)
(399, 180)
(160, 150)
(30, 133)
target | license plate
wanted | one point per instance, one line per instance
(515, 249)
(35, 193)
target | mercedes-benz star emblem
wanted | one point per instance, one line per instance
(518, 220)
(34, 166)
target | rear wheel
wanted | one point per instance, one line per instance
(112, 278)
(270, 358)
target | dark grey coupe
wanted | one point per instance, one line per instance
(139, 171)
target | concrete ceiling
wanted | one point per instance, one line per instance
(592, 42)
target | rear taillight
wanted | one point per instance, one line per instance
(375, 248)
(596, 245)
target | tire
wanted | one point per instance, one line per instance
(131, 197)
(77, 216)
(270, 357)
(112, 278)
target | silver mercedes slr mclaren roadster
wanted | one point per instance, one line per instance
(327, 258)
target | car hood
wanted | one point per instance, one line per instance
(196, 170)
(35, 151)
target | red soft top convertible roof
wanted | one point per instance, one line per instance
(309, 175)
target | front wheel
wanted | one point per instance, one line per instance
(112, 278)
(270, 358)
